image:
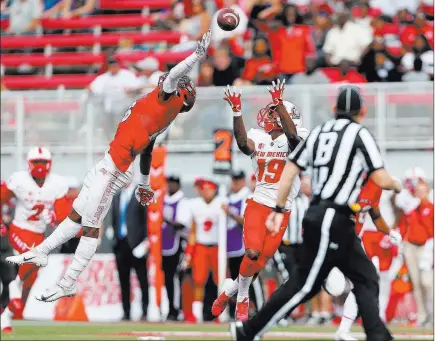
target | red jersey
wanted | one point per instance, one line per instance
(144, 120)
(370, 196)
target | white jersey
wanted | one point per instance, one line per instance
(32, 200)
(206, 217)
(268, 162)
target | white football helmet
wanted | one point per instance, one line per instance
(39, 161)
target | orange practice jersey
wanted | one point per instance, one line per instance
(370, 196)
(144, 120)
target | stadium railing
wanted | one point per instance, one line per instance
(400, 115)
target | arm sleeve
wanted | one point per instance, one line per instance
(184, 215)
(178, 71)
(368, 147)
(6, 193)
(97, 84)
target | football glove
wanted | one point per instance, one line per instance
(232, 96)
(277, 91)
(395, 237)
(48, 217)
(201, 48)
(144, 194)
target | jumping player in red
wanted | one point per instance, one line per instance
(40, 202)
(268, 149)
(379, 246)
(146, 118)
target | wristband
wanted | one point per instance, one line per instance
(145, 179)
(237, 113)
(279, 209)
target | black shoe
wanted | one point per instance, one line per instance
(126, 317)
(144, 318)
(172, 317)
(238, 332)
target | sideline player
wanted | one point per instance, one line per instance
(369, 200)
(269, 149)
(41, 202)
(146, 118)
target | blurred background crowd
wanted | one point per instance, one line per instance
(306, 42)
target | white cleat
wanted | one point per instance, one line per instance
(344, 337)
(56, 292)
(29, 257)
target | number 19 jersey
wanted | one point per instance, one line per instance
(268, 162)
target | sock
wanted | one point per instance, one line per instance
(66, 230)
(15, 288)
(231, 287)
(248, 267)
(350, 312)
(315, 314)
(7, 312)
(244, 284)
(325, 314)
(197, 310)
(85, 251)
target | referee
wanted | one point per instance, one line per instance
(338, 153)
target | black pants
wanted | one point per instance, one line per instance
(256, 292)
(329, 240)
(285, 259)
(173, 280)
(125, 261)
(8, 272)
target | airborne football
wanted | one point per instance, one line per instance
(217, 170)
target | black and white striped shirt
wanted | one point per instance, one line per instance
(338, 153)
(293, 234)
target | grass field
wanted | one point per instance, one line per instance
(35, 330)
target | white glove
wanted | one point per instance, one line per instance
(201, 48)
(144, 194)
(142, 249)
(406, 202)
(48, 217)
(395, 237)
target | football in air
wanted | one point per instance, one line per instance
(228, 19)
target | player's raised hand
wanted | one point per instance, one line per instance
(274, 222)
(277, 91)
(395, 237)
(201, 48)
(144, 194)
(233, 97)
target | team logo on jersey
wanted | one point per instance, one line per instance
(208, 224)
(261, 146)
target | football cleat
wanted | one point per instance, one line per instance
(344, 337)
(242, 310)
(29, 257)
(220, 304)
(238, 333)
(6, 322)
(56, 292)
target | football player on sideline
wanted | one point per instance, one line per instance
(146, 118)
(268, 149)
(41, 202)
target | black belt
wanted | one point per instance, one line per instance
(344, 209)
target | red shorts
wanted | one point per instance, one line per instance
(372, 245)
(21, 240)
(205, 260)
(255, 234)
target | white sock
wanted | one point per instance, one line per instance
(244, 284)
(315, 314)
(7, 312)
(15, 288)
(325, 314)
(66, 230)
(350, 312)
(84, 252)
(384, 293)
(197, 307)
(231, 287)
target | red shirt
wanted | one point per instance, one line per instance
(409, 33)
(146, 118)
(417, 227)
(335, 76)
(252, 68)
(370, 196)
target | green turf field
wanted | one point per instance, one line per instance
(32, 330)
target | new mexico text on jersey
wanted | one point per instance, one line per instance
(268, 162)
(32, 200)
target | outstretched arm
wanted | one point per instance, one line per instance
(182, 68)
(277, 91)
(233, 98)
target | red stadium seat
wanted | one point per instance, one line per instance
(106, 21)
(34, 82)
(105, 39)
(134, 4)
(87, 58)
